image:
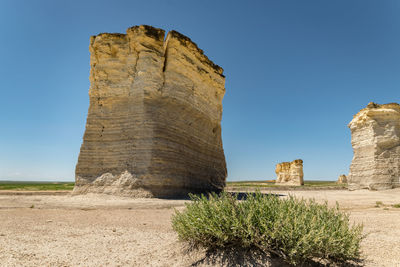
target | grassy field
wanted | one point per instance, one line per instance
(36, 186)
(271, 183)
(54, 186)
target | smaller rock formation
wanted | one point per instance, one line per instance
(290, 173)
(342, 179)
(375, 137)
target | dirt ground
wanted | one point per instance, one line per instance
(93, 230)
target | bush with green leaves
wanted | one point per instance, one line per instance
(296, 230)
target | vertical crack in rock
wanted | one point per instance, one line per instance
(164, 66)
(132, 72)
(375, 138)
(154, 120)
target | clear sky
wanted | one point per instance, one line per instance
(296, 73)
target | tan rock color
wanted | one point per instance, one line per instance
(375, 137)
(289, 173)
(342, 179)
(154, 120)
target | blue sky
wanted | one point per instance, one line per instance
(296, 73)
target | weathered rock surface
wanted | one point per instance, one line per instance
(375, 137)
(289, 173)
(154, 120)
(342, 179)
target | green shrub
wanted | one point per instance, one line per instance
(296, 230)
(396, 205)
(378, 204)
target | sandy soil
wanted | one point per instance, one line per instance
(91, 230)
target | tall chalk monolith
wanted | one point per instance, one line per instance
(154, 121)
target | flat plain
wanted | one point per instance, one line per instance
(103, 230)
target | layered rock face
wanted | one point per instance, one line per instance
(375, 137)
(154, 120)
(289, 173)
(342, 179)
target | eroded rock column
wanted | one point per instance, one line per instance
(289, 173)
(153, 126)
(375, 137)
(342, 179)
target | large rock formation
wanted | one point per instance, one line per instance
(154, 120)
(289, 173)
(375, 137)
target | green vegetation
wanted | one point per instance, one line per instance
(35, 186)
(296, 230)
(378, 204)
(271, 183)
(396, 205)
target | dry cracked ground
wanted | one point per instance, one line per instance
(93, 230)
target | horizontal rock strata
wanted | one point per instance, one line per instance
(154, 120)
(375, 137)
(289, 173)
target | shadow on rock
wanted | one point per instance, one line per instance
(239, 195)
(245, 195)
